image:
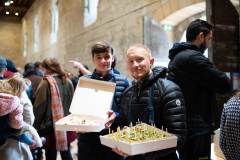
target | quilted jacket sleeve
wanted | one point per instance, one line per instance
(173, 115)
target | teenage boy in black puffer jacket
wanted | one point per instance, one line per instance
(199, 79)
(154, 100)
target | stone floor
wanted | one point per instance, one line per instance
(74, 152)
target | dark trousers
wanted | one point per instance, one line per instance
(105, 154)
(37, 154)
(198, 148)
(51, 154)
(90, 148)
(171, 156)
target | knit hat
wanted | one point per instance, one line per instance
(10, 66)
(3, 62)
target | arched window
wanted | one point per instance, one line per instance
(25, 42)
(36, 33)
(90, 12)
(54, 12)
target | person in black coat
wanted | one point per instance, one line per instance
(152, 99)
(198, 79)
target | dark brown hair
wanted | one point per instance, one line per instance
(37, 64)
(53, 66)
(102, 47)
(30, 67)
(197, 27)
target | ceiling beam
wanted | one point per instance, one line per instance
(19, 1)
(17, 7)
(20, 6)
(10, 17)
(30, 2)
(24, 2)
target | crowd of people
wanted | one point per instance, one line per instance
(180, 98)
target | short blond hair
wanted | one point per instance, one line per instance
(14, 84)
(139, 46)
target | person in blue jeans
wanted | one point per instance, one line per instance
(89, 145)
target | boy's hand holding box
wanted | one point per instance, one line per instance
(140, 139)
(91, 102)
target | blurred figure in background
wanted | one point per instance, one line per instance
(38, 66)
(75, 79)
(3, 69)
(53, 99)
(86, 70)
(31, 74)
(11, 69)
(19, 70)
(69, 75)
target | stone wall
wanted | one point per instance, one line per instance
(68, 44)
(10, 41)
(119, 23)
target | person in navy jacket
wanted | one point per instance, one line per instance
(89, 145)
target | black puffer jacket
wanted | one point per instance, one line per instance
(198, 79)
(166, 112)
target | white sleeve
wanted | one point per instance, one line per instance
(28, 115)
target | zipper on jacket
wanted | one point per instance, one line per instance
(139, 88)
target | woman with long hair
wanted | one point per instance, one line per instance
(53, 99)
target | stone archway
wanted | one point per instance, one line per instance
(174, 7)
(181, 9)
(179, 29)
(179, 14)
